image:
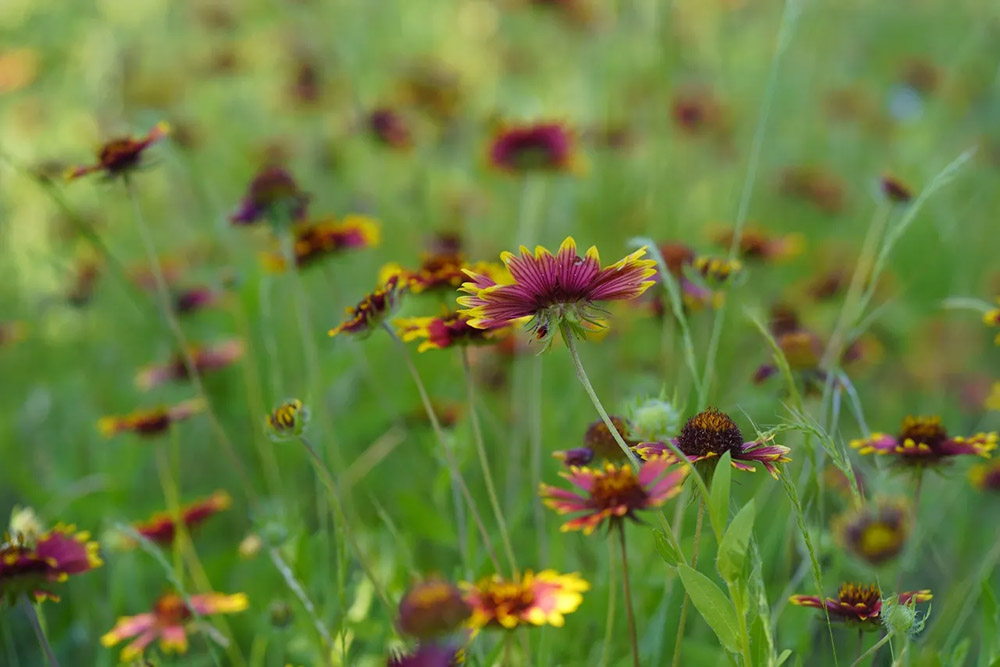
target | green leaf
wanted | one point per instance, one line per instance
(734, 544)
(668, 551)
(718, 510)
(712, 604)
(960, 653)
(783, 657)
(990, 624)
(760, 643)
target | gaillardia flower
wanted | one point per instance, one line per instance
(371, 311)
(161, 527)
(442, 271)
(120, 156)
(874, 533)
(712, 433)
(195, 298)
(169, 621)
(390, 128)
(316, 240)
(857, 604)
(758, 244)
(986, 476)
(30, 566)
(538, 147)
(554, 289)
(150, 422)
(444, 331)
(599, 443)
(536, 599)
(273, 195)
(432, 608)
(614, 493)
(208, 358)
(288, 420)
(923, 441)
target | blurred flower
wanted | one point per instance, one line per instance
(614, 493)
(120, 156)
(717, 270)
(372, 310)
(149, 422)
(12, 332)
(448, 330)
(758, 244)
(536, 147)
(677, 256)
(710, 434)
(856, 604)
(921, 74)
(599, 443)
(161, 527)
(433, 88)
(696, 109)
(31, 568)
(835, 479)
(991, 318)
(288, 420)
(250, 546)
(390, 128)
(924, 441)
(305, 87)
(169, 621)
(538, 599)
(895, 190)
(429, 655)
(432, 608)
(441, 271)
(993, 400)
(18, 69)
(654, 419)
(273, 195)
(986, 476)
(315, 240)
(554, 290)
(208, 358)
(828, 285)
(874, 533)
(814, 184)
(195, 298)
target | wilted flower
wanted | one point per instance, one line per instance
(536, 599)
(875, 533)
(288, 420)
(448, 330)
(273, 195)
(537, 147)
(169, 621)
(150, 422)
(316, 240)
(614, 493)
(432, 608)
(120, 156)
(12, 332)
(554, 289)
(857, 604)
(599, 443)
(390, 128)
(208, 358)
(895, 190)
(923, 441)
(429, 655)
(986, 476)
(372, 310)
(161, 527)
(30, 568)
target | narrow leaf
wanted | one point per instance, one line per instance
(734, 544)
(783, 657)
(666, 549)
(712, 604)
(718, 511)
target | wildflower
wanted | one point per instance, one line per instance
(875, 533)
(712, 433)
(717, 270)
(372, 310)
(598, 442)
(169, 621)
(432, 608)
(923, 441)
(429, 655)
(12, 332)
(538, 599)
(857, 604)
(120, 156)
(986, 476)
(150, 422)
(440, 271)
(442, 332)
(288, 420)
(895, 190)
(29, 567)
(432, 88)
(554, 289)
(696, 109)
(694, 296)
(161, 527)
(992, 401)
(209, 358)
(757, 244)
(537, 147)
(273, 195)
(315, 240)
(390, 128)
(195, 298)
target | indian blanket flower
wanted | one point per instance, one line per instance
(534, 147)
(536, 599)
(204, 359)
(857, 604)
(169, 622)
(614, 493)
(986, 476)
(444, 331)
(120, 156)
(695, 296)
(272, 195)
(432, 608)
(390, 128)
(924, 441)
(598, 443)
(711, 434)
(315, 240)
(150, 422)
(372, 310)
(441, 271)
(29, 565)
(554, 289)
(162, 527)
(875, 533)
(288, 420)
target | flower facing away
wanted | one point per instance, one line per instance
(432, 608)
(208, 358)
(429, 655)
(120, 156)
(371, 311)
(614, 492)
(29, 566)
(857, 604)
(169, 621)
(444, 331)
(161, 527)
(598, 443)
(554, 289)
(537, 147)
(150, 422)
(923, 441)
(273, 195)
(712, 433)
(536, 599)
(315, 240)
(874, 533)
(986, 476)
(288, 420)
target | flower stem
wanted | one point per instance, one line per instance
(687, 599)
(628, 595)
(484, 461)
(36, 625)
(296, 588)
(609, 623)
(872, 650)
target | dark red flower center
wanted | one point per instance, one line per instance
(923, 430)
(616, 487)
(120, 154)
(857, 594)
(171, 610)
(710, 432)
(600, 439)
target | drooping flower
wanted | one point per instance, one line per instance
(432, 608)
(120, 156)
(288, 420)
(429, 655)
(273, 195)
(30, 566)
(554, 289)
(533, 147)
(875, 533)
(204, 359)
(924, 441)
(986, 476)
(315, 240)
(169, 622)
(161, 527)
(150, 422)
(536, 599)
(444, 331)
(615, 493)
(598, 443)
(390, 128)
(858, 605)
(710, 434)
(372, 310)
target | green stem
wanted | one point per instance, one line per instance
(300, 593)
(43, 641)
(535, 452)
(609, 622)
(736, 595)
(628, 595)
(687, 600)
(872, 650)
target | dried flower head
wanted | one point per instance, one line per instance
(150, 422)
(875, 533)
(121, 156)
(313, 241)
(857, 604)
(535, 599)
(445, 331)
(372, 310)
(273, 195)
(537, 147)
(432, 608)
(924, 441)
(288, 420)
(31, 568)
(161, 527)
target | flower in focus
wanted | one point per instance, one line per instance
(857, 604)
(273, 195)
(432, 608)
(536, 599)
(442, 332)
(554, 289)
(120, 156)
(30, 567)
(161, 527)
(288, 420)
(614, 493)
(757, 244)
(986, 476)
(429, 655)
(150, 422)
(208, 358)
(537, 147)
(875, 533)
(372, 310)
(599, 443)
(390, 128)
(315, 240)
(895, 190)
(12, 332)
(924, 441)
(710, 434)
(169, 621)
